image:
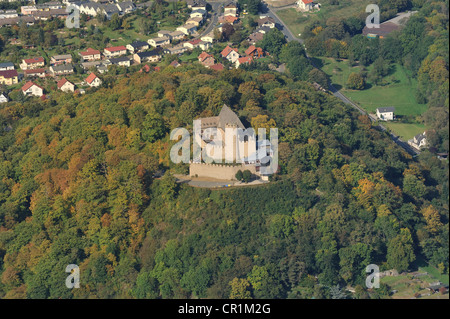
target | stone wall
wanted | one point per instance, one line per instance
(218, 171)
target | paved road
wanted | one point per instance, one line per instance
(269, 11)
(214, 16)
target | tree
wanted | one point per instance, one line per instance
(239, 176)
(400, 251)
(355, 81)
(240, 289)
(272, 41)
(246, 175)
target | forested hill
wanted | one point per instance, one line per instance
(76, 187)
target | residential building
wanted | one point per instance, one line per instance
(159, 42)
(385, 113)
(206, 59)
(61, 69)
(65, 85)
(32, 89)
(175, 64)
(255, 52)
(243, 60)
(177, 49)
(60, 59)
(148, 56)
(93, 81)
(5, 66)
(115, 51)
(137, 46)
(197, 21)
(187, 28)
(198, 13)
(266, 22)
(231, 54)
(40, 73)
(90, 55)
(32, 63)
(217, 67)
(176, 35)
(9, 77)
(230, 10)
(419, 141)
(121, 61)
(305, 5)
(208, 38)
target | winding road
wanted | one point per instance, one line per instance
(269, 11)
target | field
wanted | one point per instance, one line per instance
(405, 131)
(407, 285)
(399, 90)
(296, 21)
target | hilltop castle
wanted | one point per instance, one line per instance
(223, 138)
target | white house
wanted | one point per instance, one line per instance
(65, 85)
(158, 42)
(93, 80)
(231, 54)
(419, 141)
(187, 28)
(32, 89)
(305, 5)
(385, 113)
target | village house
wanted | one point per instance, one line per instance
(148, 56)
(243, 60)
(231, 54)
(305, 5)
(5, 66)
(230, 10)
(187, 28)
(177, 49)
(90, 55)
(255, 52)
(40, 73)
(176, 35)
(90, 64)
(115, 51)
(61, 69)
(266, 22)
(217, 67)
(419, 141)
(255, 37)
(385, 113)
(32, 63)
(206, 59)
(159, 42)
(121, 61)
(60, 59)
(9, 77)
(175, 64)
(200, 13)
(196, 4)
(228, 19)
(137, 46)
(65, 85)
(32, 89)
(197, 21)
(208, 38)
(93, 81)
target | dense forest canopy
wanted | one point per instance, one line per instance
(77, 187)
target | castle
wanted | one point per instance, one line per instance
(224, 138)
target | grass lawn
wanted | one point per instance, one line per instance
(406, 131)
(435, 274)
(399, 91)
(296, 21)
